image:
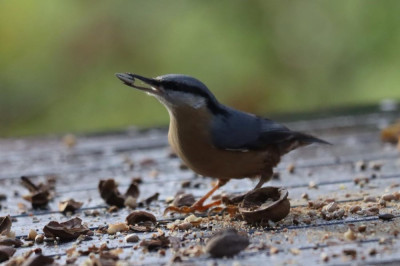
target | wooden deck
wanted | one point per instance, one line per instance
(303, 237)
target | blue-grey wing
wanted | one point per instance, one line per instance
(243, 131)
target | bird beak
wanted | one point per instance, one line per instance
(129, 79)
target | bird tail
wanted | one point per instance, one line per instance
(308, 139)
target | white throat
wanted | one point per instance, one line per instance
(179, 99)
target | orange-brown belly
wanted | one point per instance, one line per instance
(198, 153)
(191, 140)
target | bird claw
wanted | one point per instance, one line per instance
(196, 207)
(184, 209)
(232, 210)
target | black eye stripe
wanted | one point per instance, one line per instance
(212, 104)
(185, 88)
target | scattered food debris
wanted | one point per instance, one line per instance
(39, 195)
(312, 185)
(361, 165)
(183, 199)
(388, 197)
(138, 217)
(362, 228)
(39, 238)
(109, 192)
(193, 219)
(10, 241)
(185, 226)
(305, 196)
(147, 162)
(32, 234)
(265, 204)
(349, 235)
(5, 225)
(132, 238)
(131, 202)
(227, 243)
(291, 168)
(6, 253)
(295, 251)
(350, 252)
(391, 133)
(69, 140)
(69, 206)
(66, 231)
(186, 184)
(118, 227)
(149, 200)
(155, 243)
(370, 199)
(39, 260)
(386, 216)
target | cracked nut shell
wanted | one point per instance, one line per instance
(264, 204)
(227, 243)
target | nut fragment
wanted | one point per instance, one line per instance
(138, 217)
(362, 228)
(185, 226)
(130, 202)
(355, 209)
(349, 235)
(15, 242)
(5, 225)
(193, 219)
(350, 252)
(376, 165)
(155, 243)
(391, 133)
(118, 227)
(32, 234)
(68, 230)
(265, 204)
(324, 257)
(274, 250)
(388, 197)
(386, 216)
(69, 140)
(370, 199)
(295, 251)
(149, 200)
(312, 185)
(290, 168)
(69, 205)
(6, 252)
(132, 238)
(184, 199)
(331, 207)
(227, 243)
(110, 193)
(39, 238)
(39, 195)
(361, 165)
(39, 260)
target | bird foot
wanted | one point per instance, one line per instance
(232, 210)
(196, 207)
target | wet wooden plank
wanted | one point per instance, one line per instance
(299, 238)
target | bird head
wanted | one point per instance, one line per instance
(174, 90)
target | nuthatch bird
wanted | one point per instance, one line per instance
(215, 140)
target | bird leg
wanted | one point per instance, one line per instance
(264, 178)
(232, 204)
(199, 205)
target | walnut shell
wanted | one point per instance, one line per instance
(264, 204)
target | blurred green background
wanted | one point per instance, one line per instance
(58, 58)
